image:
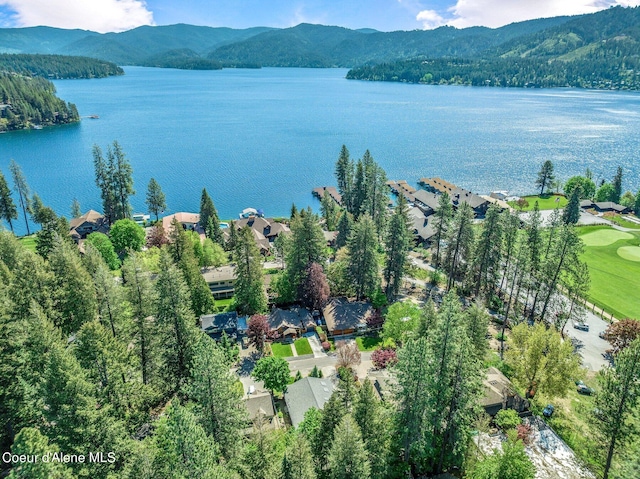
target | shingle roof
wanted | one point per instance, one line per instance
(305, 394)
(341, 314)
(219, 322)
(429, 200)
(90, 216)
(259, 403)
(296, 318)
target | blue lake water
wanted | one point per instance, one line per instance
(264, 138)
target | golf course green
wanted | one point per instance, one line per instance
(613, 258)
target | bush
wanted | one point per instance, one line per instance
(383, 358)
(507, 419)
(326, 345)
(524, 433)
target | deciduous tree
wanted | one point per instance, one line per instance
(274, 372)
(104, 246)
(314, 289)
(127, 234)
(622, 333)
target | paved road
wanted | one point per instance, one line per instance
(590, 346)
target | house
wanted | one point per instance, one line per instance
(426, 201)
(423, 229)
(500, 394)
(260, 409)
(221, 281)
(264, 230)
(215, 324)
(305, 394)
(90, 222)
(458, 195)
(291, 322)
(189, 221)
(346, 317)
(610, 206)
(330, 237)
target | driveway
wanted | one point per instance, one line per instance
(590, 346)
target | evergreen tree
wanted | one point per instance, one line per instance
(31, 442)
(297, 461)
(459, 244)
(636, 206)
(617, 186)
(442, 219)
(358, 193)
(398, 243)
(20, 185)
(363, 257)
(249, 291)
(344, 229)
(8, 209)
(76, 301)
(488, 254)
(294, 211)
(512, 463)
(345, 177)
(617, 401)
(348, 458)
(156, 201)
(330, 211)
(209, 219)
(545, 176)
(175, 323)
(571, 213)
(75, 208)
(141, 296)
(114, 177)
(53, 230)
(217, 404)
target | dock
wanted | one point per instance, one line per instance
(333, 193)
(437, 185)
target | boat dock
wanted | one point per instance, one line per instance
(333, 192)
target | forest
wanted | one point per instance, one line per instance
(55, 67)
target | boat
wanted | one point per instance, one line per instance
(251, 212)
(94, 117)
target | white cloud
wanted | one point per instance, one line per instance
(97, 15)
(430, 19)
(495, 13)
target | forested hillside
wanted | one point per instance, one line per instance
(58, 66)
(26, 101)
(591, 51)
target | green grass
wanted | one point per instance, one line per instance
(280, 350)
(368, 343)
(417, 273)
(621, 221)
(615, 281)
(545, 202)
(302, 346)
(29, 242)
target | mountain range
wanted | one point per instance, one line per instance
(186, 46)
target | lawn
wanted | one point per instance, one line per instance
(223, 304)
(614, 265)
(280, 350)
(621, 221)
(29, 242)
(302, 346)
(545, 202)
(368, 343)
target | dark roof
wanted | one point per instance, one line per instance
(460, 195)
(586, 204)
(430, 200)
(341, 314)
(610, 205)
(219, 322)
(421, 225)
(296, 318)
(259, 403)
(305, 394)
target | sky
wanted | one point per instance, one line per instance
(384, 15)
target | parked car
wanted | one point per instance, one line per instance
(601, 334)
(581, 326)
(584, 389)
(548, 411)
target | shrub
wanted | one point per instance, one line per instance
(507, 419)
(383, 358)
(326, 345)
(524, 433)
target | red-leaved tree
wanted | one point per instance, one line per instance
(383, 358)
(314, 289)
(259, 331)
(622, 333)
(375, 320)
(156, 237)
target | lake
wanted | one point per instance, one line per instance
(265, 138)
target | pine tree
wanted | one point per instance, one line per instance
(141, 295)
(176, 324)
(75, 208)
(344, 176)
(488, 254)
(348, 458)
(297, 462)
(31, 442)
(545, 176)
(617, 186)
(20, 185)
(330, 211)
(397, 245)
(442, 219)
(8, 209)
(217, 403)
(209, 219)
(249, 291)
(459, 244)
(373, 421)
(363, 257)
(114, 177)
(344, 229)
(571, 213)
(156, 201)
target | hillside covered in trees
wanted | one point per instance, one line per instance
(58, 66)
(26, 101)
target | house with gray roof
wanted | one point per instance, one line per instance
(291, 322)
(215, 324)
(346, 317)
(305, 394)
